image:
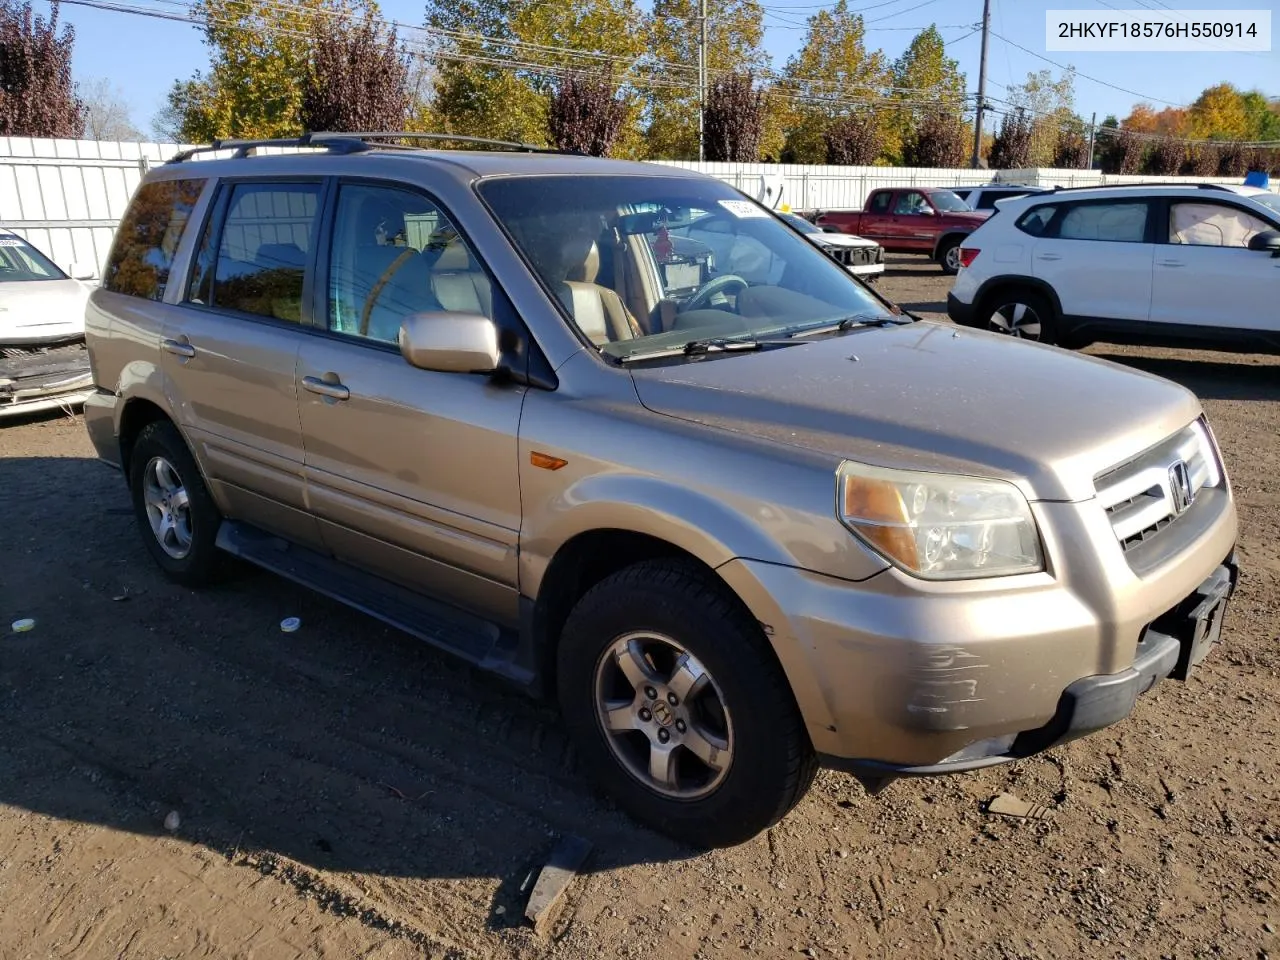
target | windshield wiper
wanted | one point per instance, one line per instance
(705, 345)
(856, 320)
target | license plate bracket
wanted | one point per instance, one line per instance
(1200, 627)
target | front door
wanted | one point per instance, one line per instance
(1210, 239)
(229, 356)
(911, 227)
(413, 474)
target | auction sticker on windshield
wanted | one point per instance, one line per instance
(743, 208)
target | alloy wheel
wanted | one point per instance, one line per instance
(168, 507)
(1017, 320)
(663, 716)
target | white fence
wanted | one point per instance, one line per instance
(66, 196)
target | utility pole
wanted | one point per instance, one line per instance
(1093, 130)
(982, 85)
(702, 78)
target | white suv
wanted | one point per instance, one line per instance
(1195, 265)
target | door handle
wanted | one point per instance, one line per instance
(179, 348)
(334, 391)
(1049, 256)
(1172, 263)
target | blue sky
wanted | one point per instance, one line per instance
(142, 56)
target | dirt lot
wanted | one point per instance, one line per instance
(345, 791)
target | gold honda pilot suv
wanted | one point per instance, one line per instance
(621, 435)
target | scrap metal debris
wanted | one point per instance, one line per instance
(565, 861)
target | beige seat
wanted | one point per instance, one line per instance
(459, 283)
(597, 310)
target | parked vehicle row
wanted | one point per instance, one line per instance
(43, 360)
(628, 439)
(911, 220)
(1195, 265)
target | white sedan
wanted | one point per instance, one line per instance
(43, 361)
(862, 257)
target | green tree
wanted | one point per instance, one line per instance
(826, 77)
(259, 55)
(500, 60)
(1049, 104)
(735, 31)
(924, 74)
(1263, 115)
(37, 95)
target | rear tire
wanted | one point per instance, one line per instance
(176, 515)
(679, 707)
(949, 256)
(1020, 312)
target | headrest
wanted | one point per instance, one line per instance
(589, 270)
(455, 256)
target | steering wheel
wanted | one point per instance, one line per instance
(702, 298)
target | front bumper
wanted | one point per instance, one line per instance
(868, 270)
(43, 376)
(897, 676)
(959, 311)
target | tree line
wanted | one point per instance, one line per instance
(605, 77)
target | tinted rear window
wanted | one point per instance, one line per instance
(148, 237)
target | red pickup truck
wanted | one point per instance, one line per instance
(911, 220)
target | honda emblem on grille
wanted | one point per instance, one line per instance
(1180, 487)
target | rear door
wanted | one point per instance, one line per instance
(910, 227)
(231, 349)
(413, 474)
(877, 219)
(1097, 255)
(1205, 273)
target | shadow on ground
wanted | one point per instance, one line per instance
(1210, 378)
(346, 746)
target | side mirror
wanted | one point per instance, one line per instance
(450, 342)
(927, 211)
(81, 271)
(1266, 241)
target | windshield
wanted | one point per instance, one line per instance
(947, 202)
(21, 261)
(644, 263)
(800, 223)
(1269, 200)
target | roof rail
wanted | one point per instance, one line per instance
(441, 137)
(343, 143)
(1149, 183)
(333, 143)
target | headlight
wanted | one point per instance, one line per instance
(1208, 453)
(937, 526)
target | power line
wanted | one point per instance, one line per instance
(1132, 93)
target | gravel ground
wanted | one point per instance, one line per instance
(344, 791)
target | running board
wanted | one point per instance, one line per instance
(474, 639)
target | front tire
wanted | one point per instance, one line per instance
(679, 707)
(176, 515)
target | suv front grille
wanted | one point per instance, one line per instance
(1145, 495)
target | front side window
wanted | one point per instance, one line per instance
(254, 260)
(20, 261)
(642, 263)
(1115, 222)
(395, 254)
(145, 244)
(909, 203)
(1212, 225)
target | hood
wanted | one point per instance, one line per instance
(934, 397)
(963, 217)
(841, 240)
(41, 310)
